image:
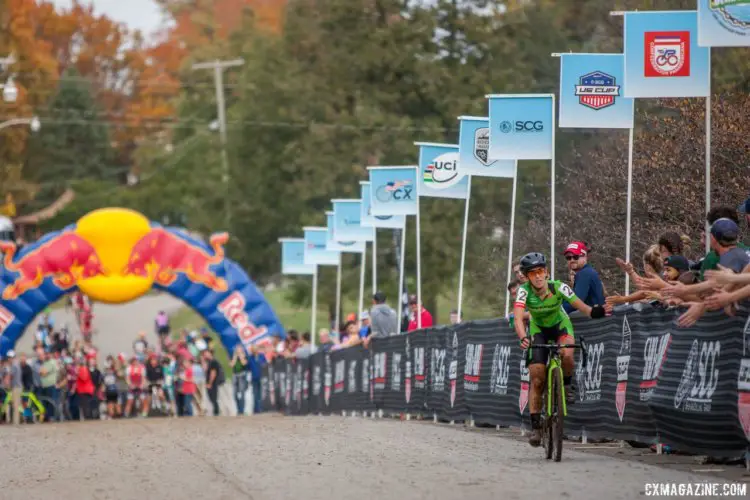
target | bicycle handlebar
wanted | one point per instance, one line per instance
(581, 346)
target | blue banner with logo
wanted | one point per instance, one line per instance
(521, 126)
(341, 246)
(662, 56)
(393, 190)
(440, 174)
(591, 92)
(377, 221)
(293, 257)
(724, 23)
(473, 150)
(347, 218)
(316, 250)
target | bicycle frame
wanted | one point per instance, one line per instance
(554, 363)
(31, 399)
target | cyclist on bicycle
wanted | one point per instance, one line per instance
(548, 323)
(155, 377)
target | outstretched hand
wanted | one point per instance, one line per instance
(722, 276)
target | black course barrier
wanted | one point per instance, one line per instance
(645, 379)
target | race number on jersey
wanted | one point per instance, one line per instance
(566, 291)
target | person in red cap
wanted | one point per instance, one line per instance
(586, 285)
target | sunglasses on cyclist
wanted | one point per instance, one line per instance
(572, 257)
(539, 271)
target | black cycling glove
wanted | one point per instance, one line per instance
(598, 312)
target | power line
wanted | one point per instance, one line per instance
(193, 124)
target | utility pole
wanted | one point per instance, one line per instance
(218, 67)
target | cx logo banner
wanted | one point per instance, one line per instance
(393, 190)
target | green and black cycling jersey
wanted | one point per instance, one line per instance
(547, 312)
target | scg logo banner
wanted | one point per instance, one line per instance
(394, 190)
(521, 127)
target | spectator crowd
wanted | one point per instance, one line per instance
(65, 379)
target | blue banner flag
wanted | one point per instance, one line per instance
(440, 174)
(377, 221)
(724, 23)
(521, 126)
(473, 150)
(591, 92)
(341, 246)
(293, 257)
(662, 56)
(347, 222)
(394, 190)
(316, 251)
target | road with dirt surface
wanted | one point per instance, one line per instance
(274, 457)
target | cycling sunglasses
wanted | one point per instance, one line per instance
(539, 271)
(572, 257)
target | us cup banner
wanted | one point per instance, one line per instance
(316, 252)
(379, 221)
(591, 92)
(724, 23)
(347, 221)
(473, 150)
(293, 257)
(440, 173)
(394, 190)
(662, 56)
(521, 126)
(341, 246)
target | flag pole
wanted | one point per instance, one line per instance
(510, 239)
(362, 267)
(463, 253)
(629, 210)
(313, 333)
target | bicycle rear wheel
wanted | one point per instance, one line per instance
(557, 413)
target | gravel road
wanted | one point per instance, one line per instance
(274, 457)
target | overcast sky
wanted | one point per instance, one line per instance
(137, 14)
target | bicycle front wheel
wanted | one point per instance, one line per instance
(548, 417)
(557, 413)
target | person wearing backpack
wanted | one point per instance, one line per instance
(214, 379)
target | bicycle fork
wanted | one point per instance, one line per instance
(555, 366)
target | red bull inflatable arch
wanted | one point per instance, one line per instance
(116, 255)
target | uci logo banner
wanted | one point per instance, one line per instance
(394, 190)
(521, 127)
(341, 246)
(724, 23)
(293, 257)
(662, 56)
(591, 92)
(381, 221)
(347, 221)
(440, 172)
(316, 251)
(473, 150)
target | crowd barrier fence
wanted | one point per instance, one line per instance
(645, 380)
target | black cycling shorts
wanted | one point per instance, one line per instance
(546, 335)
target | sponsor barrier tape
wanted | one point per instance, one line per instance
(645, 380)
